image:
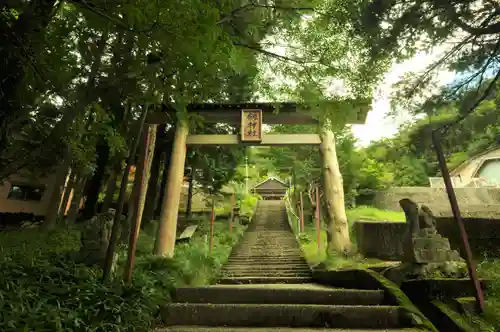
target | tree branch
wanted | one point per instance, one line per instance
(483, 29)
(440, 62)
(271, 54)
(229, 16)
(476, 104)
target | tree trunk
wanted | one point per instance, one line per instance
(111, 188)
(164, 177)
(57, 192)
(95, 183)
(171, 199)
(143, 173)
(69, 116)
(153, 190)
(67, 195)
(75, 200)
(131, 203)
(115, 231)
(20, 44)
(122, 113)
(153, 185)
(338, 228)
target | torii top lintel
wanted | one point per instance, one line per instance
(272, 113)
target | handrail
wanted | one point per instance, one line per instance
(288, 206)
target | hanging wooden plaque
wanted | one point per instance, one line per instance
(251, 125)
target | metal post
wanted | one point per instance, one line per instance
(212, 226)
(318, 223)
(301, 228)
(458, 219)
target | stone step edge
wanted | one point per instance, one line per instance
(304, 315)
(182, 328)
(263, 280)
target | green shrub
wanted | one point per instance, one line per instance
(304, 238)
(490, 268)
(42, 289)
(248, 203)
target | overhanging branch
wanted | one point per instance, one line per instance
(271, 54)
(476, 104)
(229, 16)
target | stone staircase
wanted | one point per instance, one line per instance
(267, 286)
(268, 252)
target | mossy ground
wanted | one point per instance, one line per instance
(489, 268)
(309, 240)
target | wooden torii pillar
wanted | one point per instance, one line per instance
(250, 116)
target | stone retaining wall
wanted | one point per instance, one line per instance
(389, 198)
(381, 239)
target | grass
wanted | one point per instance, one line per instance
(43, 289)
(314, 256)
(309, 240)
(371, 213)
(489, 268)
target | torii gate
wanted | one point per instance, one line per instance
(251, 117)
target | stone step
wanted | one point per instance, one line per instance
(264, 280)
(255, 243)
(241, 268)
(278, 294)
(267, 230)
(265, 275)
(284, 249)
(273, 329)
(281, 267)
(296, 254)
(286, 315)
(267, 259)
(250, 270)
(269, 255)
(257, 246)
(238, 267)
(268, 252)
(256, 263)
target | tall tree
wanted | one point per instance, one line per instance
(468, 30)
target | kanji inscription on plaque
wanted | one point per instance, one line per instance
(251, 125)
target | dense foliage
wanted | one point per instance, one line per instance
(466, 31)
(409, 158)
(79, 78)
(42, 289)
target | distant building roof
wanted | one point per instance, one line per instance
(464, 164)
(270, 179)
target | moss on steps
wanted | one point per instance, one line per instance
(465, 323)
(400, 297)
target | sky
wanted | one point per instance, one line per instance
(378, 122)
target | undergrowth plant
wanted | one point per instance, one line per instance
(489, 268)
(43, 289)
